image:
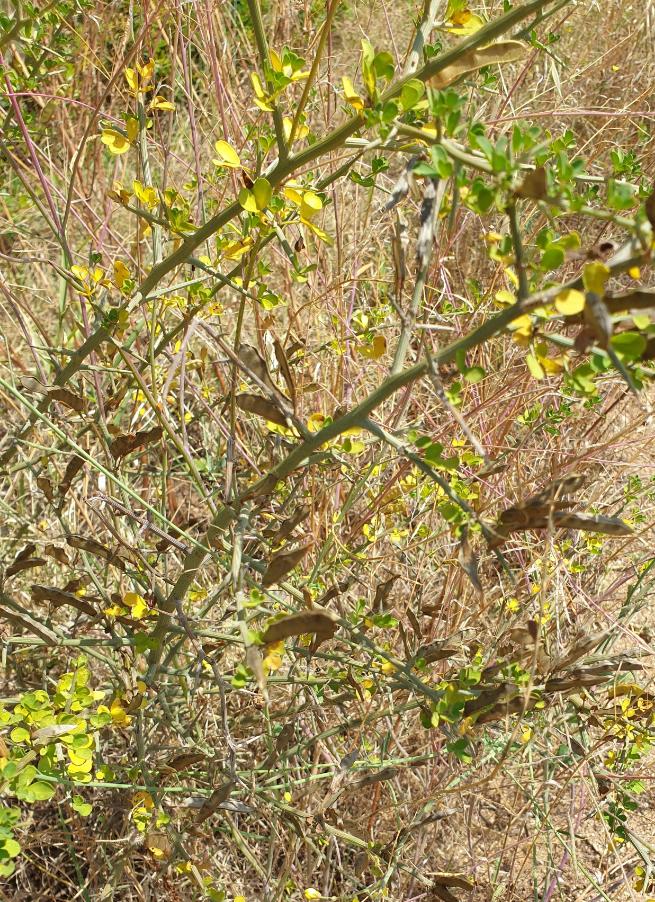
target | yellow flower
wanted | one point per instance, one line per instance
(160, 103)
(117, 141)
(352, 97)
(146, 194)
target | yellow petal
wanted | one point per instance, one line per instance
(293, 194)
(570, 302)
(595, 276)
(260, 97)
(276, 62)
(351, 95)
(132, 129)
(522, 323)
(121, 273)
(115, 141)
(147, 70)
(465, 22)
(375, 350)
(160, 103)
(311, 204)
(132, 80)
(316, 422)
(505, 297)
(301, 130)
(147, 195)
(552, 365)
(327, 239)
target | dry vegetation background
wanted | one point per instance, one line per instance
(316, 777)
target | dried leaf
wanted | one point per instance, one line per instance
(414, 621)
(26, 553)
(564, 485)
(534, 185)
(461, 881)
(477, 58)
(217, 797)
(579, 649)
(285, 369)
(543, 516)
(284, 562)
(320, 622)
(609, 526)
(131, 441)
(262, 407)
(284, 739)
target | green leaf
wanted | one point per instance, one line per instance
(474, 374)
(19, 734)
(11, 847)
(40, 791)
(383, 65)
(83, 808)
(461, 749)
(630, 345)
(411, 93)
(368, 71)
(441, 161)
(26, 776)
(552, 258)
(620, 196)
(262, 193)
(247, 200)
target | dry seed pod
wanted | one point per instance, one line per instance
(477, 58)
(59, 597)
(283, 563)
(216, 799)
(262, 407)
(123, 445)
(322, 623)
(285, 369)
